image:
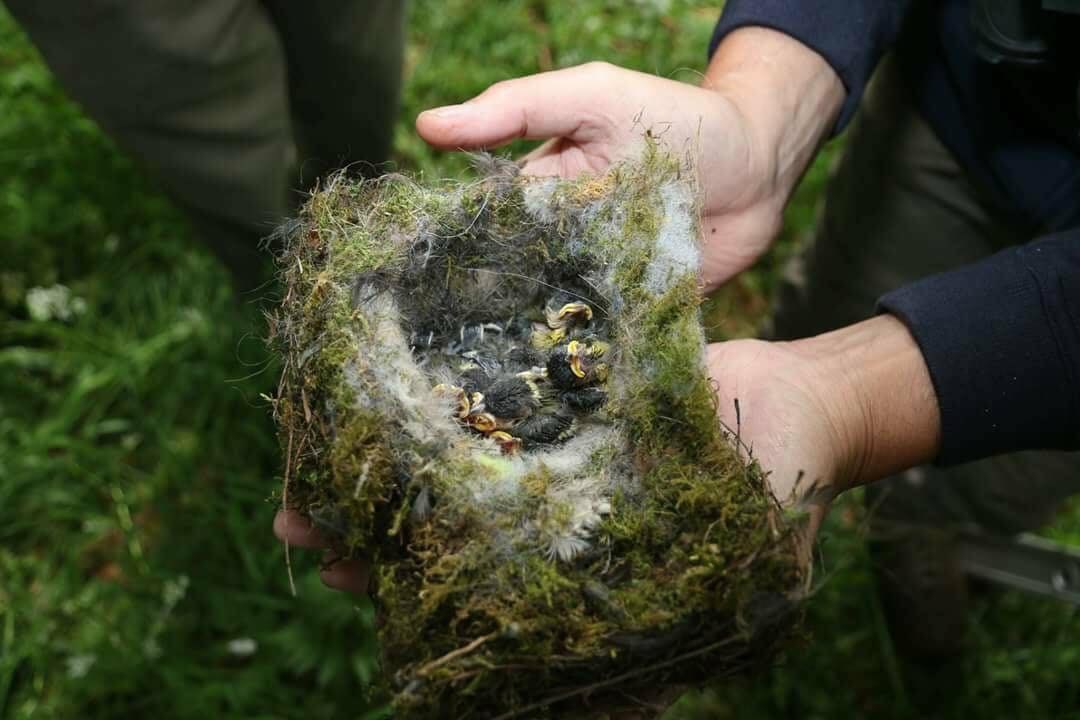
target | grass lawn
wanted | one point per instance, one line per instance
(138, 576)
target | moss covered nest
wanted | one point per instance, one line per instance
(495, 390)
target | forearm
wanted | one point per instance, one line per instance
(1001, 339)
(970, 363)
(880, 400)
(788, 94)
(850, 37)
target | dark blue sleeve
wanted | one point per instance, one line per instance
(1001, 338)
(851, 35)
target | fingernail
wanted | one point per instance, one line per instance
(449, 112)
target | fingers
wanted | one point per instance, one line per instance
(554, 104)
(293, 528)
(347, 575)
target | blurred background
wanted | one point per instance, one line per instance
(139, 466)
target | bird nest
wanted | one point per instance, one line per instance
(496, 391)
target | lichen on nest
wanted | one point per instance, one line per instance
(496, 391)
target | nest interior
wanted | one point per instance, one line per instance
(495, 389)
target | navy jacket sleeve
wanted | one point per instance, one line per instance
(1001, 339)
(851, 35)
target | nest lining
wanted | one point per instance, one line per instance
(520, 569)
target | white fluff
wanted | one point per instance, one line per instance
(537, 199)
(677, 251)
(579, 495)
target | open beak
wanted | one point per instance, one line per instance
(575, 353)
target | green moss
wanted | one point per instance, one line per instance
(483, 613)
(361, 479)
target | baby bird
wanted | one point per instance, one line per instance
(485, 423)
(458, 395)
(526, 395)
(519, 359)
(544, 429)
(561, 315)
(475, 379)
(584, 400)
(509, 444)
(577, 365)
(566, 317)
(512, 398)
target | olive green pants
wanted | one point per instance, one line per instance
(235, 105)
(898, 208)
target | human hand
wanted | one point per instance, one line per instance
(827, 413)
(820, 415)
(295, 530)
(751, 129)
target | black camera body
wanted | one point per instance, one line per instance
(1022, 32)
(1035, 34)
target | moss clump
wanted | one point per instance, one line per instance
(496, 391)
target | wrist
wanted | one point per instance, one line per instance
(788, 96)
(878, 399)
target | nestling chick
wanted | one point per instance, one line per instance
(567, 315)
(512, 398)
(482, 360)
(509, 444)
(544, 429)
(460, 398)
(486, 423)
(544, 338)
(576, 365)
(475, 379)
(585, 400)
(518, 396)
(520, 359)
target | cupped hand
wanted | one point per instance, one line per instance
(596, 114)
(824, 414)
(349, 575)
(750, 130)
(780, 404)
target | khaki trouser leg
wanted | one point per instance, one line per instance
(200, 91)
(195, 91)
(344, 70)
(899, 208)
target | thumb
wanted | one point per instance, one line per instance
(537, 107)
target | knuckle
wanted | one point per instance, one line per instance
(600, 69)
(498, 89)
(599, 66)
